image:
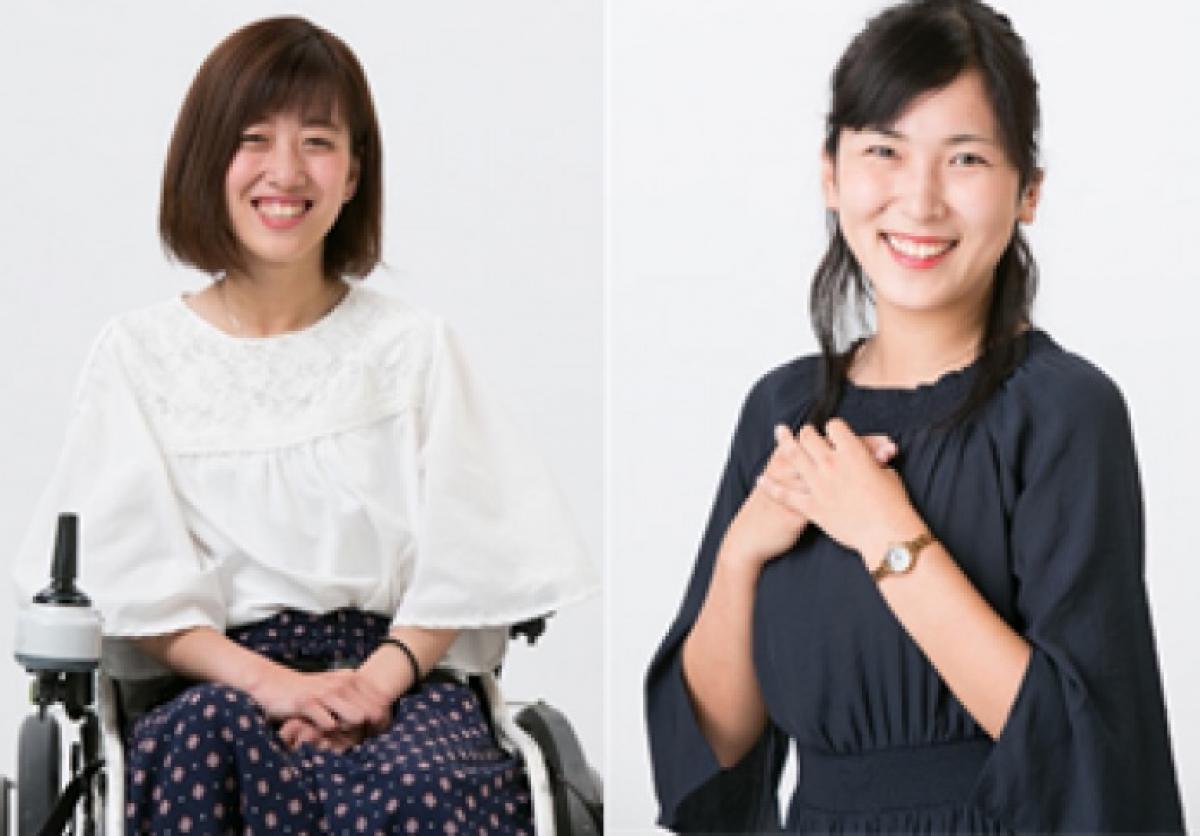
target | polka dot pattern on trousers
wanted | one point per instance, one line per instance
(209, 761)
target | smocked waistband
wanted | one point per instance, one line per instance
(936, 773)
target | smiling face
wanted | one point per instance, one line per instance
(284, 188)
(929, 203)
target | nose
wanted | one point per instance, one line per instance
(285, 166)
(921, 193)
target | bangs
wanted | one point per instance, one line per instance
(913, 56)
(921, 46)
(300, 77)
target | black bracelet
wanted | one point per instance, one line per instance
(412, 657)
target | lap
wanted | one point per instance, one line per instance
(209, 760)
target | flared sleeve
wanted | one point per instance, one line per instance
(495, 542)
(695, 794)
(1085, 747)
(137, 560)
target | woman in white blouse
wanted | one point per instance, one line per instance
(292, 492)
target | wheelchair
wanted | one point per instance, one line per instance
(58, 642)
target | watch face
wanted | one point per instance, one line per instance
(898, 558)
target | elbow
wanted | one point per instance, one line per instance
(730, 745)
(730, 754)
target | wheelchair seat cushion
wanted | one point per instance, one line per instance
(209, 760)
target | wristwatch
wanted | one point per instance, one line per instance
(901, 557)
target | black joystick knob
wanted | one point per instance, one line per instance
(62, 590)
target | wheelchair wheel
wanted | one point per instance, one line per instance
(38, 773)
(578, 795)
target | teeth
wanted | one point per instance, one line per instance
(914, 250)
(281, 210)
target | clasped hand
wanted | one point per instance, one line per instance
(839, 482)
(332, 710)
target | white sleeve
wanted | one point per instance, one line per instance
(496, 544)
(137, 561)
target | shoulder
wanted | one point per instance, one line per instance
(386, 311)
(143, 325)
(785, 392)
(1056, 401)
(781, 396)
(1056, 386)
(128, 340)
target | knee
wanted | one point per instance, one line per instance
(210, 712)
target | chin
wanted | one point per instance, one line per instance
(911, 296)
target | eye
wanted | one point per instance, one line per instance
(252, 138)
(319, 142)
(883, 152)
(968, 159)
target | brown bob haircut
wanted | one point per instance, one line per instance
(277, 65)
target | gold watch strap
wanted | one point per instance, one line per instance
(914, 547)
(916, 544)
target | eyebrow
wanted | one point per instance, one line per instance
(954, 139)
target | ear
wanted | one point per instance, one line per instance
(1027, 207)
(829, 180)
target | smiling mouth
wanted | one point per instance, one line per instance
(917, 251)
(281, 209)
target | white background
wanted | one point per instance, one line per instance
(493, 126)
(491, 121)
(715, 120)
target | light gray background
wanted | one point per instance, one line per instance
(716, 225)
(491, 121)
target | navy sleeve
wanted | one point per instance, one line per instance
(695, 795)
(1085, 747)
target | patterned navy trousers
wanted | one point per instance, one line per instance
(209, 761)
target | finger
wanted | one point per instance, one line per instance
(315, 712)
(308, 734)
(881, 448)
(773, 488)
(792, 500)
(786, 469)
(815, 448)
(343, 704)
(839, 434)
(783, 435)
(287, 733)
(296, 732)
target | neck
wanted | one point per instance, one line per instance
(909, 349)
(266, 300)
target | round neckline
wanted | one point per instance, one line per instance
(952, 379)
(902, 409)
(313, 327)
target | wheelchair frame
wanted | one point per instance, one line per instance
(566, 794)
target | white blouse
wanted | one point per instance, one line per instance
(355, 463)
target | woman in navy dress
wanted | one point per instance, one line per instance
(925, 562)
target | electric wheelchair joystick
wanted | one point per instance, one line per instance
(58, 643)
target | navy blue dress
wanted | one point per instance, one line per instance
(1038, 500)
